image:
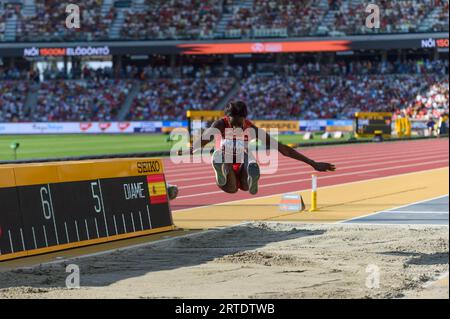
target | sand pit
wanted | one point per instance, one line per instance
(259, 260)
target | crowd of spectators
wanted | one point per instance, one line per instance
(6, 12)
(14, 73)
(305, 17)
(173, 19)
(441, 20)
(49, 22)
(193, 19)
(313, 97)
(80, 100)
(169, 99)
(299, 17)
(399, 16)
(2, 25)
(431, 103)
(410, 66)
(307, 90)
(12, 100)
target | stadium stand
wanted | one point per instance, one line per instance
(80, 100)
(432, 102)
(47, 24)
(7, 14)
(199, 19)
(174, 19)
(308, 90)
(2, 25)
(400, 16)
(12, 101)
(166, 99)
(335, 17)
(278, 18)
(316, 97)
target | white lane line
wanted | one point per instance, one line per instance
(352, 150)
(308, 170)
(393, 209)
(286, 165)
(395, 224)
(413, 212)
(306, 173)
(199, 164)
(323, 187)
(322, 177)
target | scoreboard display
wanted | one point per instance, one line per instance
(53, 206)
(370, 124)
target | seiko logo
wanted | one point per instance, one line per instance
(148, 167)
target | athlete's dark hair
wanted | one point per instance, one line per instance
(236, 109)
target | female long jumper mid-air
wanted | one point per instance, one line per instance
(234, 165)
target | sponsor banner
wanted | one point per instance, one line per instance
(175, 124)
(332, 129)
(419, 124)
(86, 127)
(345, 44)
(313, 125)
(326, 125)
(339, 122)
(148, 127)
(33, 52)
(282, 126)
(339, 126)
(265, 47)
(431, 43)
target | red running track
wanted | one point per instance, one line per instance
(354, 162)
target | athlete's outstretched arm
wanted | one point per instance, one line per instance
(271, 143)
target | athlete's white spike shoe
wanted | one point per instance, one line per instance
(253, 177)
(220, 168)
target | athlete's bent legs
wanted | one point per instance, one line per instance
(225, 176)
(249, 174)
